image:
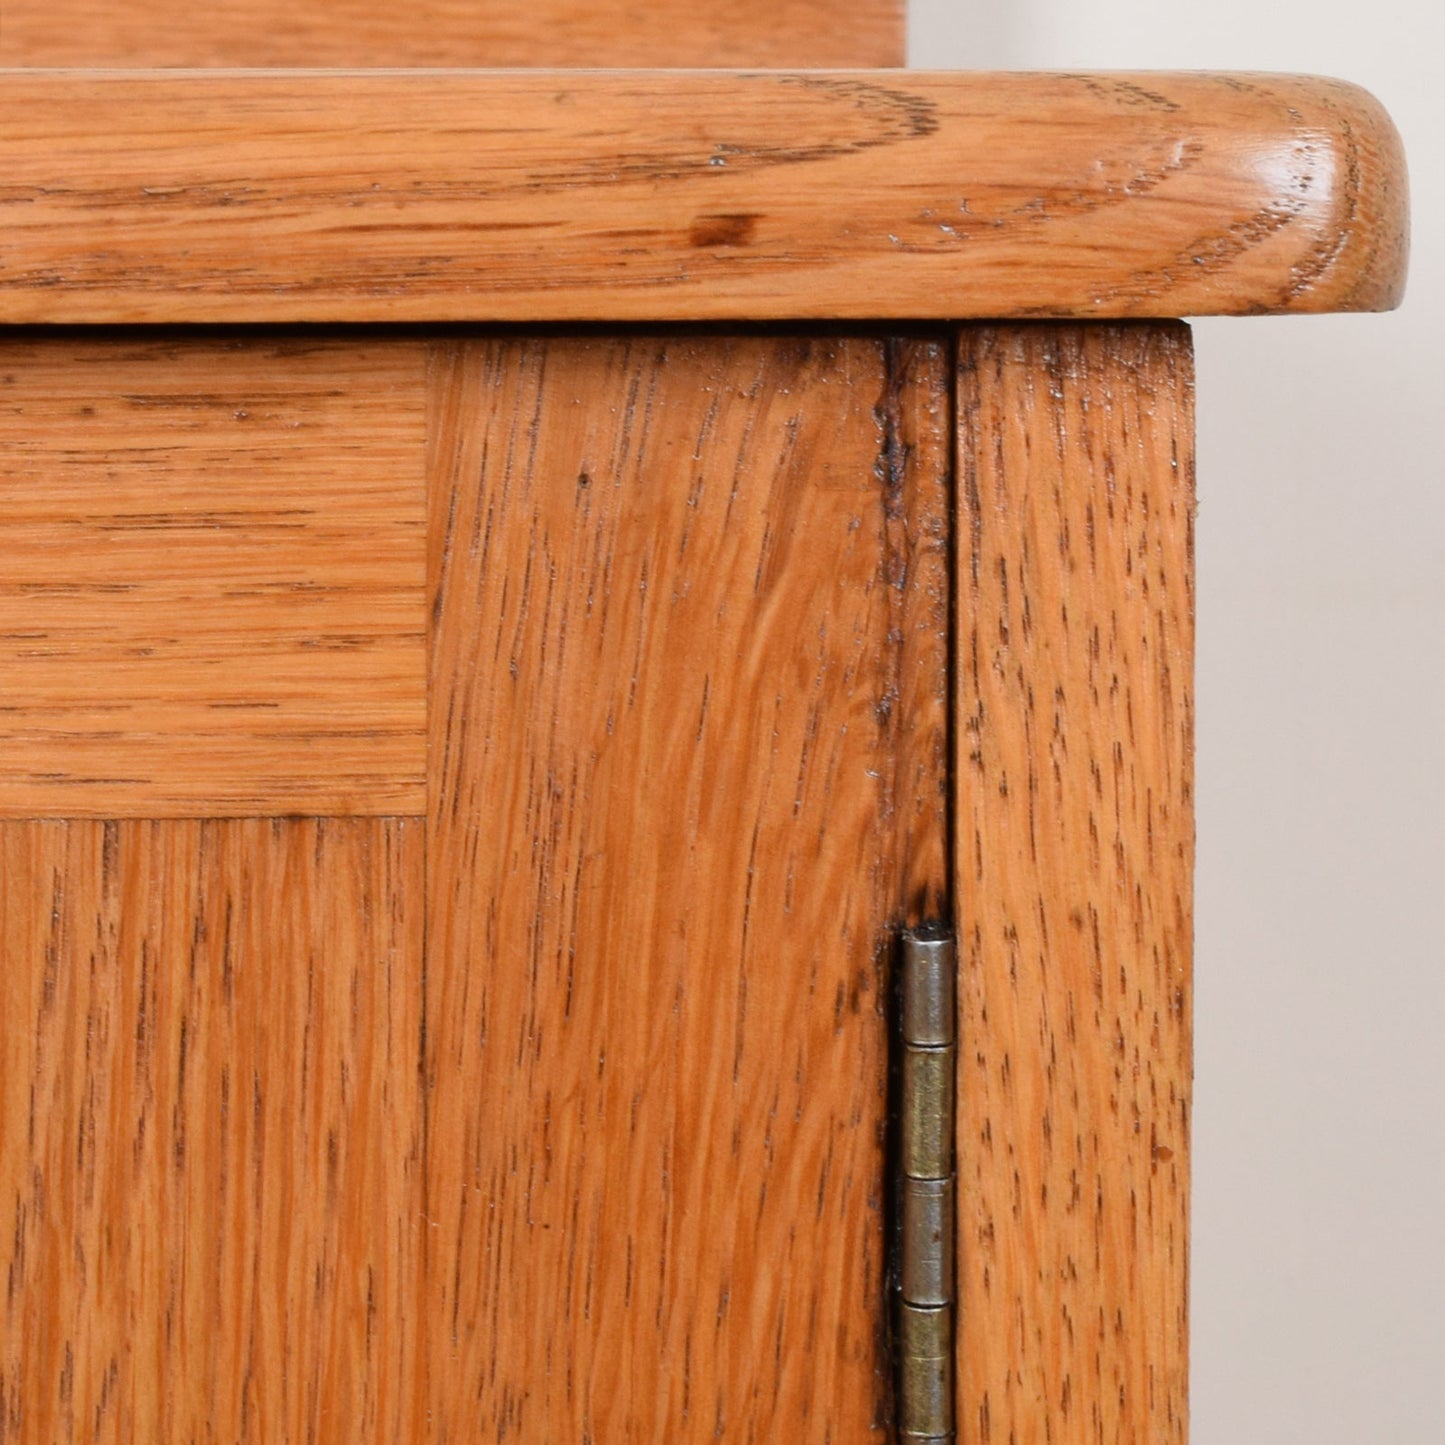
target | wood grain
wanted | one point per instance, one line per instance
(667, 850)
(210, 1154)
(359, 33)
(212, 576)
(1074, 860)
(536, 196)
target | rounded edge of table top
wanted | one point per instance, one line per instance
(225, 196)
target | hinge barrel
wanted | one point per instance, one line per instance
(926, 1192)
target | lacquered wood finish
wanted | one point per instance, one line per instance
(742, 33)
(1074, 854)
(535, 196)
(211, 1127)
(672, 826)
(212, 576)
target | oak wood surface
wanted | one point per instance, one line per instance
(604, 1158)
(740, 33)
(1074, 859)
(212, 576)
(536, 196)
(671, 827)
(210, 1130)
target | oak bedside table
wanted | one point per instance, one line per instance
(595, 716)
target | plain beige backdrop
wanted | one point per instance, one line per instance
(1318, 1287)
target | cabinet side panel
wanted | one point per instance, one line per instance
(666, 763)
(468, 33)
(210, 1129)
(1074, 856)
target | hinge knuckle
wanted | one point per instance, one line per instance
(927, 1265)
(928, 1076)
(927, 1353)
(929, 1007)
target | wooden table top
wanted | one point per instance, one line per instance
(628, 196)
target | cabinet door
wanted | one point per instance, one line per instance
(458, 794)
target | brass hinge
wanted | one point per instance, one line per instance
(926, 1186)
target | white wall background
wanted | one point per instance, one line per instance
(1319, 1186)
